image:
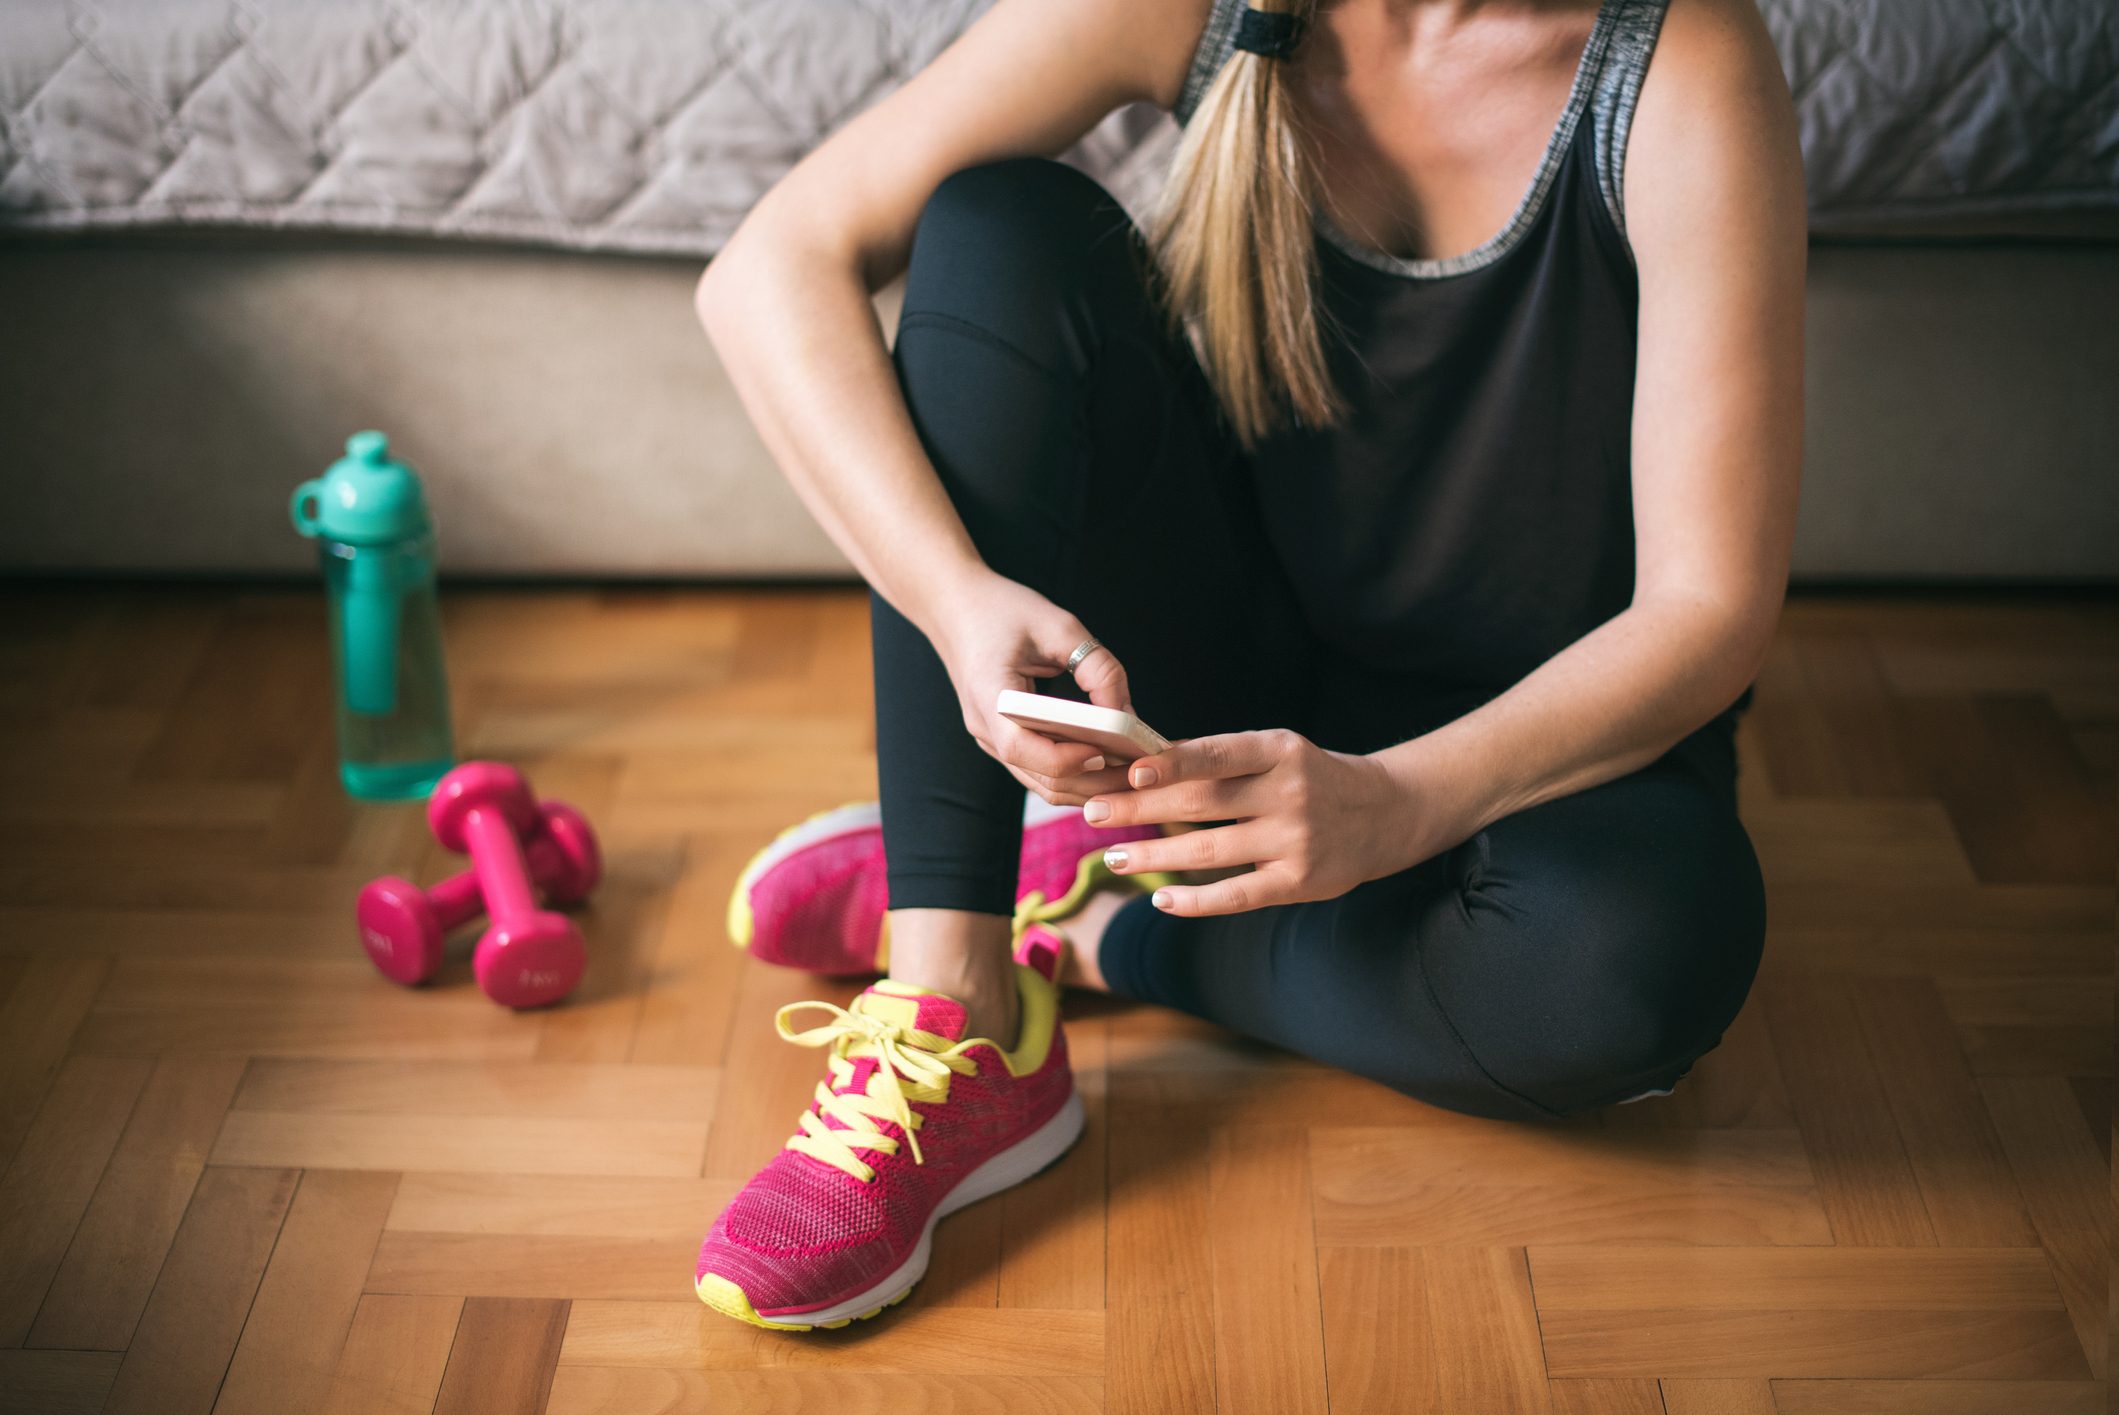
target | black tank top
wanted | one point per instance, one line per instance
(1471, 516)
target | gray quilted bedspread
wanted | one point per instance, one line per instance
(652, 125)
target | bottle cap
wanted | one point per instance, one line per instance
(365, 498)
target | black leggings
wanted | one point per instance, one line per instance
(1568, 956)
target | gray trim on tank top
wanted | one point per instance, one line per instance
(1607, 85)
(1618, 93)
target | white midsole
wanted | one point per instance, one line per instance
(1004, 1171)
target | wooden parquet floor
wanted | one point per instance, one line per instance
(241, 1173)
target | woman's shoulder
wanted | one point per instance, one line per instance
(1715, 162)
(1709, 103)
(1715, 44)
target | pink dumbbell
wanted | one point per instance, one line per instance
(528, 956)
(405, 928)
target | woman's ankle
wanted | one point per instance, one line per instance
(1082, 965)
(960, 955)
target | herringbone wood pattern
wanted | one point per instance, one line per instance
(243, 1173)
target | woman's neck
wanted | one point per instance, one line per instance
(1429, 117)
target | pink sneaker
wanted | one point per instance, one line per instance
(915, 1122)
(814, 898)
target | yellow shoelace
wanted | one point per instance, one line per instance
(911, 1065)
(1030, 910)
(1090, 875)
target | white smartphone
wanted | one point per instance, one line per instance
(1120, 736)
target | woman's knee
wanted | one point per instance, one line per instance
(1653, 982)
(1025, 192)
(1602, 976)
(1019, 248)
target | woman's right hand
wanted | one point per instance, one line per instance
(1002, 634)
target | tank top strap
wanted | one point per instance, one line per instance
(1615, 91)
(1216, 43)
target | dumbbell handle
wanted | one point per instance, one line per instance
(497, 861)
(458, 900)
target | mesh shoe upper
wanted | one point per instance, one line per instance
(805, 1234)
(816, 900)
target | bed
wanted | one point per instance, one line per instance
(234, 231)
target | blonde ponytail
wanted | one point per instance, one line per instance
(1234, 240)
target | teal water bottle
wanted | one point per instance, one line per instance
(368, 516)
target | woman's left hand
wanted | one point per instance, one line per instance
(1311, 823)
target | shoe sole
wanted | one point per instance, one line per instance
(1037, 1151)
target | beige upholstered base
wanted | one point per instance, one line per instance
(1963, 412)
(163, 395)
(163, 399)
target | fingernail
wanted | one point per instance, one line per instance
(1160, 899)
(1115, 858)
(1095, 811)
(1144, 775)
(1093, 764)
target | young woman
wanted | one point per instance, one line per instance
(1426, 472)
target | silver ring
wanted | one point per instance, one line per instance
(1087, 647)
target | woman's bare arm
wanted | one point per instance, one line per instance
(1716, 215)
(787, 301)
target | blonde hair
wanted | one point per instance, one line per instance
(1234, 242)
